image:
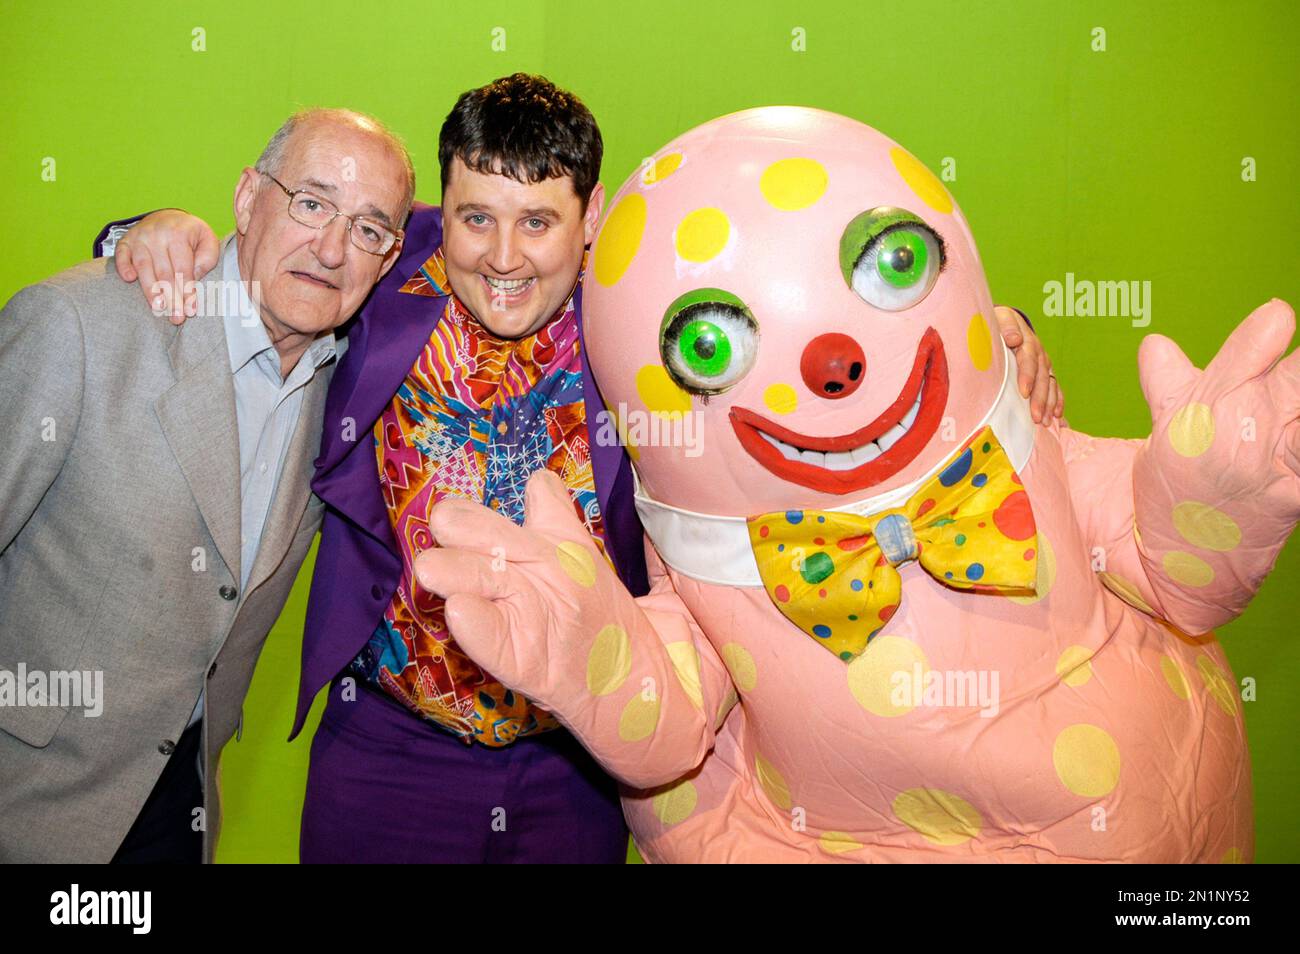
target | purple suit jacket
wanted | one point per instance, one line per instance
(358, 563)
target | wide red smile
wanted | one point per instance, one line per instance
(869, 455)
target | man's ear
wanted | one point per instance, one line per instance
(245, 196)
(591, 219)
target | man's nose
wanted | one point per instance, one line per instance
(504, 256)
(331, 245)
(833, 366)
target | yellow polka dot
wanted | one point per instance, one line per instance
(921, 180)
(1232, 856)
(702, 234)
(1125, 591)
(837, 842)
(1175, 679)
(741, 666)
(686, 663)
(577, 563)
(662, 168)
(1074, 666)
(875, 675)
(1086, 760)
(609, 661)
(639, 719)
(1216, 682)
(979, 343)
(793, 184)
(675, 803)
(1187, 569)
(1046, 573)
(940, 817)
(1203, 526)
(619, 239)
(1191, 430)
(780, 398)
(773, 784)
(660, 393)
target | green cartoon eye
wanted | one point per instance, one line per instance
(890, 258)
(708, 340)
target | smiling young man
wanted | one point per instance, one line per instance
(465, 373)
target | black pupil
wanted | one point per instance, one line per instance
(901, 259)
(705, 346)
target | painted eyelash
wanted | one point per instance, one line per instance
(688, 314)
(905, 224)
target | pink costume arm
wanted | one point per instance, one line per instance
(1191, 520)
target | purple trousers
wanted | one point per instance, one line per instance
(384, 786)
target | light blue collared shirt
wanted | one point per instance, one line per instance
(266, 409)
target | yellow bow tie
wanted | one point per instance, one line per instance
(834, 574)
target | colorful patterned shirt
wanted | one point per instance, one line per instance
(475, 416)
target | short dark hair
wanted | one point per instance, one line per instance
(524, 127)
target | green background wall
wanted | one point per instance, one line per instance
(1122, 164)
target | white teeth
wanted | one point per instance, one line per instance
(788, 452)
(847, 460)
(910, 416)
(891, 436)
(508, 286)
(868, 451)
(840, 460)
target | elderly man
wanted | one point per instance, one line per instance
(156, 495)
(465, 375)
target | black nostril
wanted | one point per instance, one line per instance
(833, 366)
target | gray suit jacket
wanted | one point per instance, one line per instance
(120, 549)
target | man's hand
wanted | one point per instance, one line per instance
(167, 252)
(1037, 382)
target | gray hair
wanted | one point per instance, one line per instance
(271, 161)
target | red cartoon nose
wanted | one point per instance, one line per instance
(833, 365)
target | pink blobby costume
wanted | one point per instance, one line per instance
(1090, 717)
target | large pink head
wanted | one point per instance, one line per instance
(810, 293)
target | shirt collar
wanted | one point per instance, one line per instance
(246, 336)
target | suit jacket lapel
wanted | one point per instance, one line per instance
(390, 334)
(197, 415)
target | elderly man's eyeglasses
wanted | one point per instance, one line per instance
(317, 212)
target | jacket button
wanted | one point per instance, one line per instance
(166, 746)
(228, 592)
(376, 592)
(212, 670)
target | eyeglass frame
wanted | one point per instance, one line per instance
(398, 234)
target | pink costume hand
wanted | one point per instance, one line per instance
(1187, 523)
(1216, 487)
(540, 609)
